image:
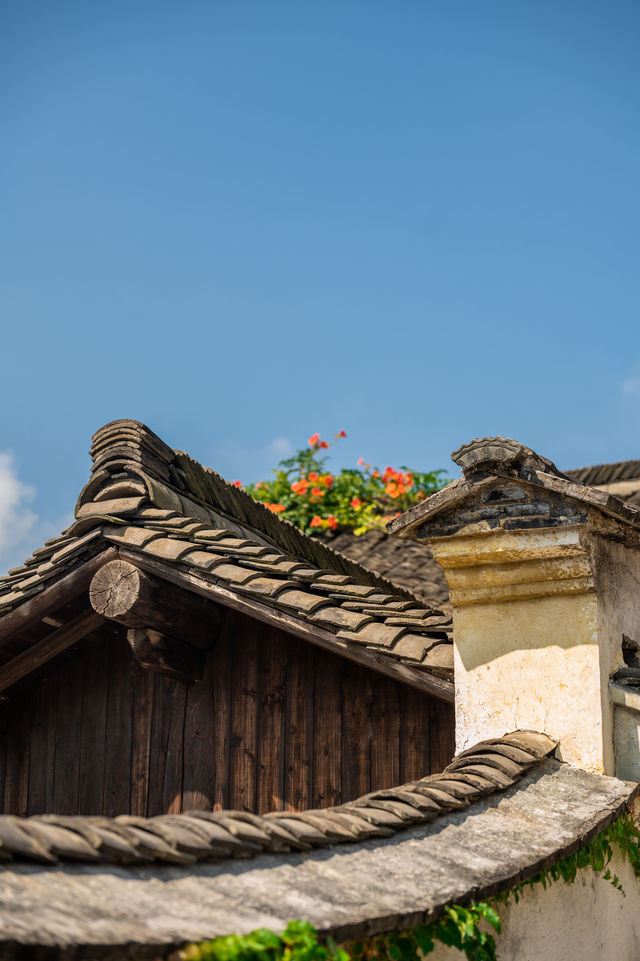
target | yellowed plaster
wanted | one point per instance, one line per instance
(621, 489)
(500, 545)
(531, 664)
(526, 644)
(539, 618)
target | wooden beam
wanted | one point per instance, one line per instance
(166, 655)
(122, 592)
(51, 598)
(193, 582)
(49, 647)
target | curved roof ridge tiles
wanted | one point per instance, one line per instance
(485, 459)
(217, 835)
(123, 444)
(133, 512)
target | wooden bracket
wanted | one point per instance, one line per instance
(164, 654)
(40, 653)
(169, 628)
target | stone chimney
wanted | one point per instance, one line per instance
(544, 575)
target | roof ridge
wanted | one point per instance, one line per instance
(606, 473)
(121, 441)
(501, 454)
(486, 459)
(488, 767)
(123, 445)
(317, 595)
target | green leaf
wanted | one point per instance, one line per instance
(491, 915)
(424, 936)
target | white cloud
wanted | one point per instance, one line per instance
(630, 386)
(17, 520)
(280, 447)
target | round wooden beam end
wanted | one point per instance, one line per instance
(116, 589)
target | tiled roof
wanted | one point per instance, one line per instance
(412, 564)
(621, 479)
(165, 511)
(484, 459)
(600, 474)
(408, 564)
(125, 445)
(488, 767)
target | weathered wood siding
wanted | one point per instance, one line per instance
(275, 723)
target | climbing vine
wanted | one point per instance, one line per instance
(468, 928)
(459, 927)
(596, 854)
(298, 942)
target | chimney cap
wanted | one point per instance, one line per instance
(485, 460)
(487, 453)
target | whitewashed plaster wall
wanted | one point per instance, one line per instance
(526, 640)
(588, 920)
(617, 582)
(539, 617)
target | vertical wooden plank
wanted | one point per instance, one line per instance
(356, 731)
(385, 724)
(4, 722)
(172, 784)
(66, 774)
(53, 682)
(415, 747)
(160, 726)
(199, 741)
(244, 723)
(143, 691)
(167, 733)
(222, 680)
(119, 793)
(41, 759)
(16, 779)
(299, 726)
(327, 730)
(441, 734)
(272, 685)
(94, 726)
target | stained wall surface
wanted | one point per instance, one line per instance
(526, 641)
(275, 723)
(617, 570)
(531, 664)
(588, 920)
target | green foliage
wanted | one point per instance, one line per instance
(298, 942)
(360, 498)
(624, 832)
(466, 928)
(596, 854)
(459, 927)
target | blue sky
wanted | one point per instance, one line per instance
(244, 222)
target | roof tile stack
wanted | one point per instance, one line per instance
(490, 766)
(128, 504)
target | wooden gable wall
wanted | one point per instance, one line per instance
(275, 723)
